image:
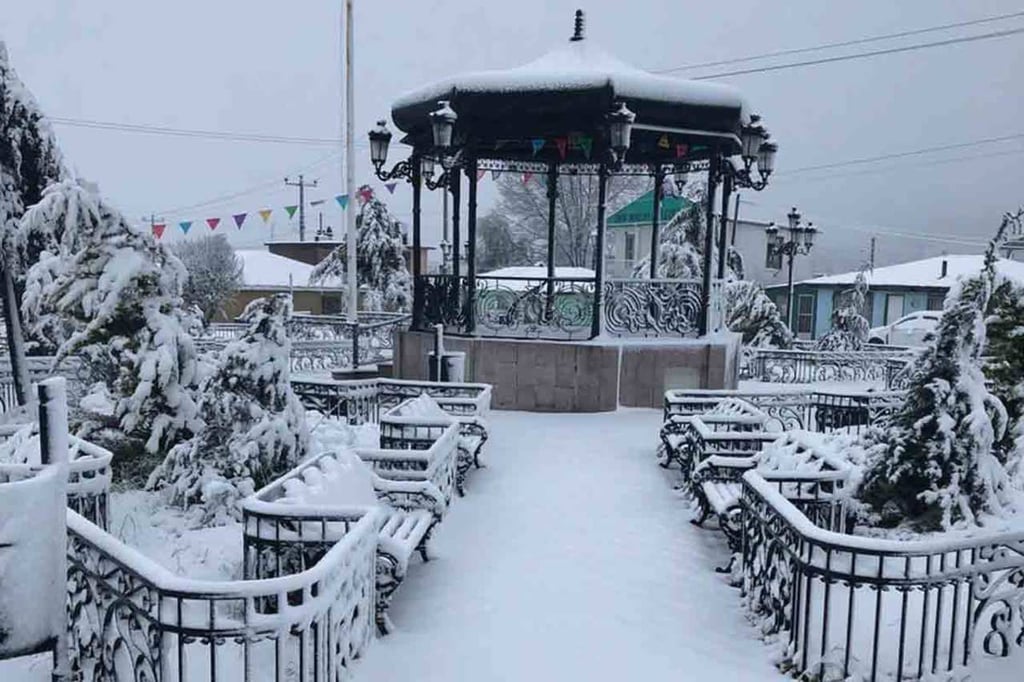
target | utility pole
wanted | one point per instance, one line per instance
(350, 174)
(872, 260)
(301, 184)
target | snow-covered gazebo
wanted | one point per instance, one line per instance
(575, 110)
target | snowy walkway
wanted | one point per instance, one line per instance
(570, 558)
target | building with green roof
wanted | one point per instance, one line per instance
(629, 231)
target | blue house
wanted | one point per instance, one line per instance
(894, 291)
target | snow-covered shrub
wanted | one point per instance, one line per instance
(214, 273)
(112, 296)
(849, 328)
(750, 312)
(934, 465)
(383, 278)
(254, 426)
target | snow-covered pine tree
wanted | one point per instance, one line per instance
(750, 312)
(934, 465)
(849, 328)
(380, 261)
(112, 296)
(254, 425)
(681, 241)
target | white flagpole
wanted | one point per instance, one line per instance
(350, 169)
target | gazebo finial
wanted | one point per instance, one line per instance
(579, 26)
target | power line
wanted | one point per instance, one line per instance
(864, 55)
(936, 162)
(844, 43)
(899, 155)
(191, 132)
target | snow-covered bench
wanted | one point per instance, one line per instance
(415, 422)
(730, 427)
(289, 524)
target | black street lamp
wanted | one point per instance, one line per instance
(442, 124)
(799, 242)
(380, 139)
(620, 130)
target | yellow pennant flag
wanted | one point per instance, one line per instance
(265, 213)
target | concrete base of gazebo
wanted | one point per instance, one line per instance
(581, 376)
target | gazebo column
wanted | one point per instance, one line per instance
(659, 180)
(714, 170)
(723, 227)
(471, 177)
(549, 302)
(417, 282)
(597, 321)
(455, 186)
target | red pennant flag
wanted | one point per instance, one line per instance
(158, 229)
(365, 193)
(239, 219)
(213, 223)
(562, 143)
(480, 174)
(681, 150)
(527, 176)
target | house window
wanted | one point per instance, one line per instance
(935, 301)
(893, 307)
(804, 314)
(630, 246)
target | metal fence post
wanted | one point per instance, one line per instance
(53, 449)
(355, 345)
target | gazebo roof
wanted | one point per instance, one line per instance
(567, 92)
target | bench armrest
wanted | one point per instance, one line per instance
(410, 495)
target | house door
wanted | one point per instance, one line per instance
(893, 307)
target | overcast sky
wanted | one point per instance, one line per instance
(254, 66)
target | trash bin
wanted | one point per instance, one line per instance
(453, 366)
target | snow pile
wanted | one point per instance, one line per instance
(340, 478)
(423, 406)
(329, 434)
(253, 425)
(112, 295)
(384, 281)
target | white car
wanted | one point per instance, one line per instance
(909, 330)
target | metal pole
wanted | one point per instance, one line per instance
(596, 325)
(471, 177)
(659, 180)
(723, 226)
(15, 340)
(790, 251)
(455, 183)
(714, 167)
(417, 283)
(351, 242)
(445, 266)
(549, 300)
(735, 219)
(302, 209)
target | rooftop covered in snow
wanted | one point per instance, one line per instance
(265, 270)
(569, 91)
(925, 273)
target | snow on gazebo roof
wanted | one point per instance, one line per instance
(571, 90)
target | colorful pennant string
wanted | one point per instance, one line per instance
(586, 144)
(563, 144)
(265, 214)
(239, 219)
(663, 142)
(537, 144)
(390, 187)
(290, 210)
(681, 150)
(365, 193)
(185, 226)
(158, 229)
(213, 223)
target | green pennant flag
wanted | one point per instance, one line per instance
(291, 211)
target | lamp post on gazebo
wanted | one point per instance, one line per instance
(575, 111)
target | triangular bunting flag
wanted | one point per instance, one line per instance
(562, 143)
(213, 223)
(291, 211)
(682, 149)
(527, 176)
(185, 226)
(239, 219)
(480, 174)
(158, 229)
(699, 147)
(495, 174)
(342, 200)
(390, 187)
(265, 213)
(365, 193)
(663, 142)
(537, 144)
(586, 144)
(574, 140)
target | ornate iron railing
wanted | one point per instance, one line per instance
(846, 605)
(820, 411)
(811, 366)
(652, 307)
(131, 619)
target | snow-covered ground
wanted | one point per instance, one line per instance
(570, 558)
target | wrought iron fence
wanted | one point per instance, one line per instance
(652, 307)
(131, 619)
(820, 411)
(811, 366)
(847, 605)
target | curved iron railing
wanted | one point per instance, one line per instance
(652, 307)
(879, 609)
(810, 366)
